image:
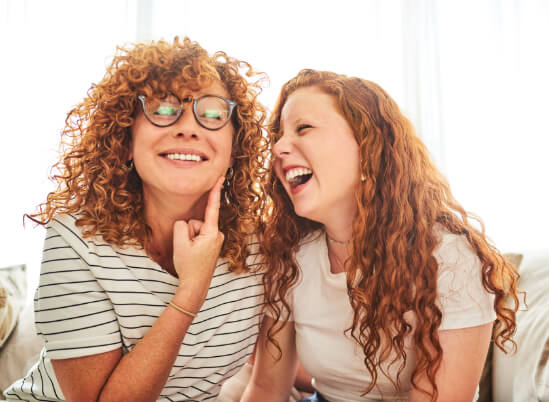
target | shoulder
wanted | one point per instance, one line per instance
(63, 229)
(453, 250)
(456, 260)
(64, 226)
(460, 291)
(65, 223)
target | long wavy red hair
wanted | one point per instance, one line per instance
(392, 269)
(92, 175)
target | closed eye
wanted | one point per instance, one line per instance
(302, 127)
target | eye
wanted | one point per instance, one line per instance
(212, 114)
(167, 107)
(165, 110)
(302, 127)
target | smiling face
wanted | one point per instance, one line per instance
(317, 157)
(184, 159)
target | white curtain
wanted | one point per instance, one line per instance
(471, 75)
(494, 64)
(51, 52)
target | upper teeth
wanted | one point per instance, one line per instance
(184, 157)
(293, 173)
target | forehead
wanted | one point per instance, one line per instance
(215, 88)
(308, 102)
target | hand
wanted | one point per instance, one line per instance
(196, 248)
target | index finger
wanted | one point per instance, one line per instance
(211, 216)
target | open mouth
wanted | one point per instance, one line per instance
(298, 176)
(185, 157)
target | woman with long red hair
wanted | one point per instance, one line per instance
(378, 283)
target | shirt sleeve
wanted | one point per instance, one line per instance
(461, 295)
(73, 313)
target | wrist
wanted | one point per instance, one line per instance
(182, 310)
(188, 301)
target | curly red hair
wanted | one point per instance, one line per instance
(392, 269)
(92, 177)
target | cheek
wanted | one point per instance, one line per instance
(226, 138)
(278, 169)
(229, 153)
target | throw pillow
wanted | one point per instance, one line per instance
(13, 291)
(485, 386)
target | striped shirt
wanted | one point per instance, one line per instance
(94, 297)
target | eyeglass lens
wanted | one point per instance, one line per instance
(210, 111)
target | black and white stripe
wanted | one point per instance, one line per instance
(93, 298)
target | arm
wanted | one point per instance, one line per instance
(272, 380)
(141, 374)
(464, 353)
(303, 380)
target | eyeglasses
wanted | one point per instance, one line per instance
(210, 111)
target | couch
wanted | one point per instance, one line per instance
(522, 376)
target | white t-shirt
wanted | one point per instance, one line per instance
(94, 298)
(321, 312)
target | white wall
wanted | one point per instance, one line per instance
(472, 76)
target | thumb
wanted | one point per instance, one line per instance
(194, 228)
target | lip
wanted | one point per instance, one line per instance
(300, 188)
(294, 190)
(289, 167)
(203, 156)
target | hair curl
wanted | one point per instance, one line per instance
(92, 177)
(401, 199)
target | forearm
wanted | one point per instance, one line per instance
(303, 380)
(274, 370)
(264, 392)
(142, 374)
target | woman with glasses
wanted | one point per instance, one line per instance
(378, 282)
(149, 287)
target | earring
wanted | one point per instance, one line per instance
(362, 175)
(229, 174)
(128, 166)
(226, 195)
(227, 184)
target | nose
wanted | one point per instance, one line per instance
(282, 147)
(186, 125)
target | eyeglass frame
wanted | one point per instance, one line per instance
(232, 104)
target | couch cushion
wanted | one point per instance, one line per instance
(13, 291)
(485, 386)
(21, 350)
(524, 375)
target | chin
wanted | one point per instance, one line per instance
(305, 211)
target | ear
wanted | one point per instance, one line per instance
(129, 133)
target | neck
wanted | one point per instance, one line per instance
(161, 215)
(339, 248)
(339, 227)
(338, 255)
(341, 231)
